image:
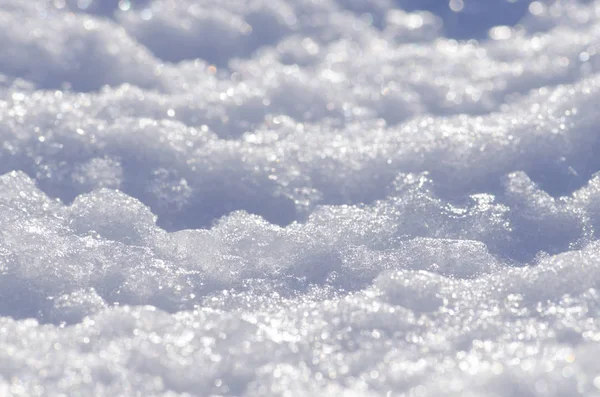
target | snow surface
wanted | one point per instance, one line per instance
(299, 198)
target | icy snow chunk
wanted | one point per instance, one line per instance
(112, 215)
(451, 258)
(18, 191)
(412, 210)
(539, 221)
(570, 273)
(587, 199)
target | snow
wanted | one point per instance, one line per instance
(299, 198)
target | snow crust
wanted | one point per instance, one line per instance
(299, 198)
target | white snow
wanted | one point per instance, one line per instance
(299, 198)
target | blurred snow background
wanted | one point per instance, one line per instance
(299, 198)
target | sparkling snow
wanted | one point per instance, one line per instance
(299, 198)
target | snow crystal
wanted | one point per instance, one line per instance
(299, 198)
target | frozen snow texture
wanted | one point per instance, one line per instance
(299, 198)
